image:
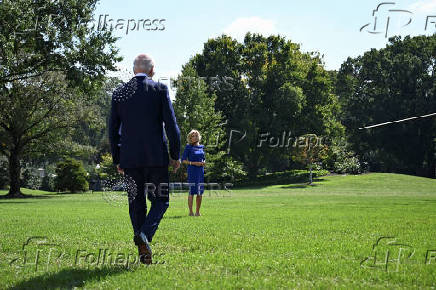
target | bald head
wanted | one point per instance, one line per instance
(143, 63)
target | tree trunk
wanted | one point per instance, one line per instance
(252, 170)
(14, 175)
(310, 174)
(433, 160)
(252, 173)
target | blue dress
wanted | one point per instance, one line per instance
(195, 173)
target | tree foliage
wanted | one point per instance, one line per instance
(390, 84)
(51, 64)
(195, 109)
(268, 87)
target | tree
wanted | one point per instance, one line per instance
(391, 84)
(36, 113)
(195, 109)
(273, 88)
(309, 150)
(43, 36)
(38, 39)
(90, 135)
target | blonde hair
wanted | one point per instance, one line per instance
(188, 138)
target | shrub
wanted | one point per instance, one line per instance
(71, 176)
(30, 178)
(342, 159)
(349, 164)
(221, 167)
(285, 177)
(107, 171)
(48, 183)
(4, 174)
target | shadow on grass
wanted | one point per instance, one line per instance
(297, 186)
(175, 217)
(303, 185)
(250, 186)
(41, 194)
(8, 201)
(290, 184)
(68, 278)
(429, 200)
(26, 197)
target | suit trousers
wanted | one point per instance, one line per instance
(153, 183)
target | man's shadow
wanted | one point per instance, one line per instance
(68, 278)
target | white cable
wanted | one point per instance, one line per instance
(398, 121)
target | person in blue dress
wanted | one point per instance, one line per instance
(194, 157)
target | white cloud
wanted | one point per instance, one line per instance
(423, 6)
(241, 26)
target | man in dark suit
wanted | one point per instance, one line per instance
(141, 112)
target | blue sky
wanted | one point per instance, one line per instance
(330, 27)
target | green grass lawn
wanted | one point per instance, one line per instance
(282, 236)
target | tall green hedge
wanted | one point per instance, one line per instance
(71, 176)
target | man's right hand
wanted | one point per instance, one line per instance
(120, 170)
(175, 164)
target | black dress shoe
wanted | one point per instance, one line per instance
(144, 254)
(144, 249)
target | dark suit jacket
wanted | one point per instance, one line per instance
(143, 110)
